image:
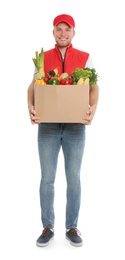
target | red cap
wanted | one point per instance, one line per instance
(64, 18)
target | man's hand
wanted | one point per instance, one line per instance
(33, 116)
(89, 115)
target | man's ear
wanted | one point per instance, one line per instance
(74, 33)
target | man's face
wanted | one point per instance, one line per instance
(63, 34)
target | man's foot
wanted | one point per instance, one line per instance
(74, 236)
(46, 236)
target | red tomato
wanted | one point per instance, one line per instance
(63, 82)
(49, 77)
(46, 79)
(68, 81)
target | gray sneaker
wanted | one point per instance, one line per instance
(74, 236)
(46, 236)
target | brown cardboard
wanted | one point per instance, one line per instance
(61, 103)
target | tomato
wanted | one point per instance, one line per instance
(66, 81)
(46, 79)
(63, 82)
(71, 81)
(49, 77)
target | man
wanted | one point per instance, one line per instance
(53, 136)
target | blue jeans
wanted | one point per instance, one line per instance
(51, 137)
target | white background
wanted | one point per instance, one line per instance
(26, 26)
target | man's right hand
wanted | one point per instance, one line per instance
(33, 116)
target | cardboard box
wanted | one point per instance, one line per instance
(61, 103)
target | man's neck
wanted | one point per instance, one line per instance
(63, 50)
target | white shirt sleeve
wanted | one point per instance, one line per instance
(89, 63)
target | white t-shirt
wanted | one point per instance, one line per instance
(89, 63)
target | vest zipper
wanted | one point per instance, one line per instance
(63, 59)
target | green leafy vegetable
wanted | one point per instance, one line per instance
(85, 73)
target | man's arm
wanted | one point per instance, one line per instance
(30, 94)
(30, 100)
(93, 101)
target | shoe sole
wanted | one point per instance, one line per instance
(44, 244)
(73, 243)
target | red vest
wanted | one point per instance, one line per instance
(73, 59)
